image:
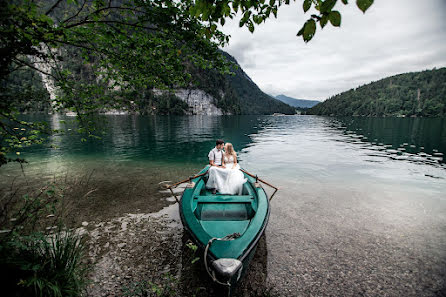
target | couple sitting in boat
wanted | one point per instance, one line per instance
(225, 176)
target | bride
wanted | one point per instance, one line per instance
(228, 180)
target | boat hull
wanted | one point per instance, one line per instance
(208, 217)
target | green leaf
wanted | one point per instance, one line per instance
(226, 10)
(193, 10)
(301, 31)
(335, 18)
(345, 2)
(275, 12)
(309, 30)
(251, 27)
(192, 246)
(327, 6)
(235, 7)
(324, 20)
(195, 260)
(307, 5)
(364, 4)
(205, 15)
(256, 20)
(245, 18)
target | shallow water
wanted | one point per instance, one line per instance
(362, 203)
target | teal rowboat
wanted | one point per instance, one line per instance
(226, 227)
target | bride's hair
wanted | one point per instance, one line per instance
(229, 149)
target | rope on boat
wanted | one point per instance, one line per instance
(228, 237)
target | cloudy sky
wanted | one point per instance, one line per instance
(392, 37)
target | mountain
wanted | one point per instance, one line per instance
(211, 93)
(299, 103)
(238, 93)
(421, 94)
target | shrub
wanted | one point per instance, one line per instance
(40, 265)
(33, 263)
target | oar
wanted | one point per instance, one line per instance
(190, 178)
(182, 182)
(261, 180)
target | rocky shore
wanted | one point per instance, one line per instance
(367, 240)
(136, 252)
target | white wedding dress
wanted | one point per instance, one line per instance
(227, 180)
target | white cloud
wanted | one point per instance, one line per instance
(393, 37)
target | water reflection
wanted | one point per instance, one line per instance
(350, 151)
(149, 138)
(302, 146)
(414, 140)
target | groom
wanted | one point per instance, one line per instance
(216, 154)
(216, 161)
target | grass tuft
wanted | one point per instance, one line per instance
(40, 265)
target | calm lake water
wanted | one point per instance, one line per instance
(362, 205)
(290, 140)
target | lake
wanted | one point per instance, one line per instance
(361, 208)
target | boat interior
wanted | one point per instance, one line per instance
(235, 210)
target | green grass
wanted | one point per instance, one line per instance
(39, 265)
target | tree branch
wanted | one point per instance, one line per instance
(30, 125)
(100, 10)
(9, 71)
(117, 8)
(53, 7)
(78, 12)
(73, 44)
(4, 127)
(111, 22)
(18, 61)
(54, 59)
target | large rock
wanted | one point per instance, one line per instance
(200, 102)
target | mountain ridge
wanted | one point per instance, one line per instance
(417, 94)
(253, 99)
(298, 103)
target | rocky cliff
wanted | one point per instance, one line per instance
(199, 102)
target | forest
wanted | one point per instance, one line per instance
(415, 94)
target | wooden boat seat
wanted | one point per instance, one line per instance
(225, 199)
(224, 207)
